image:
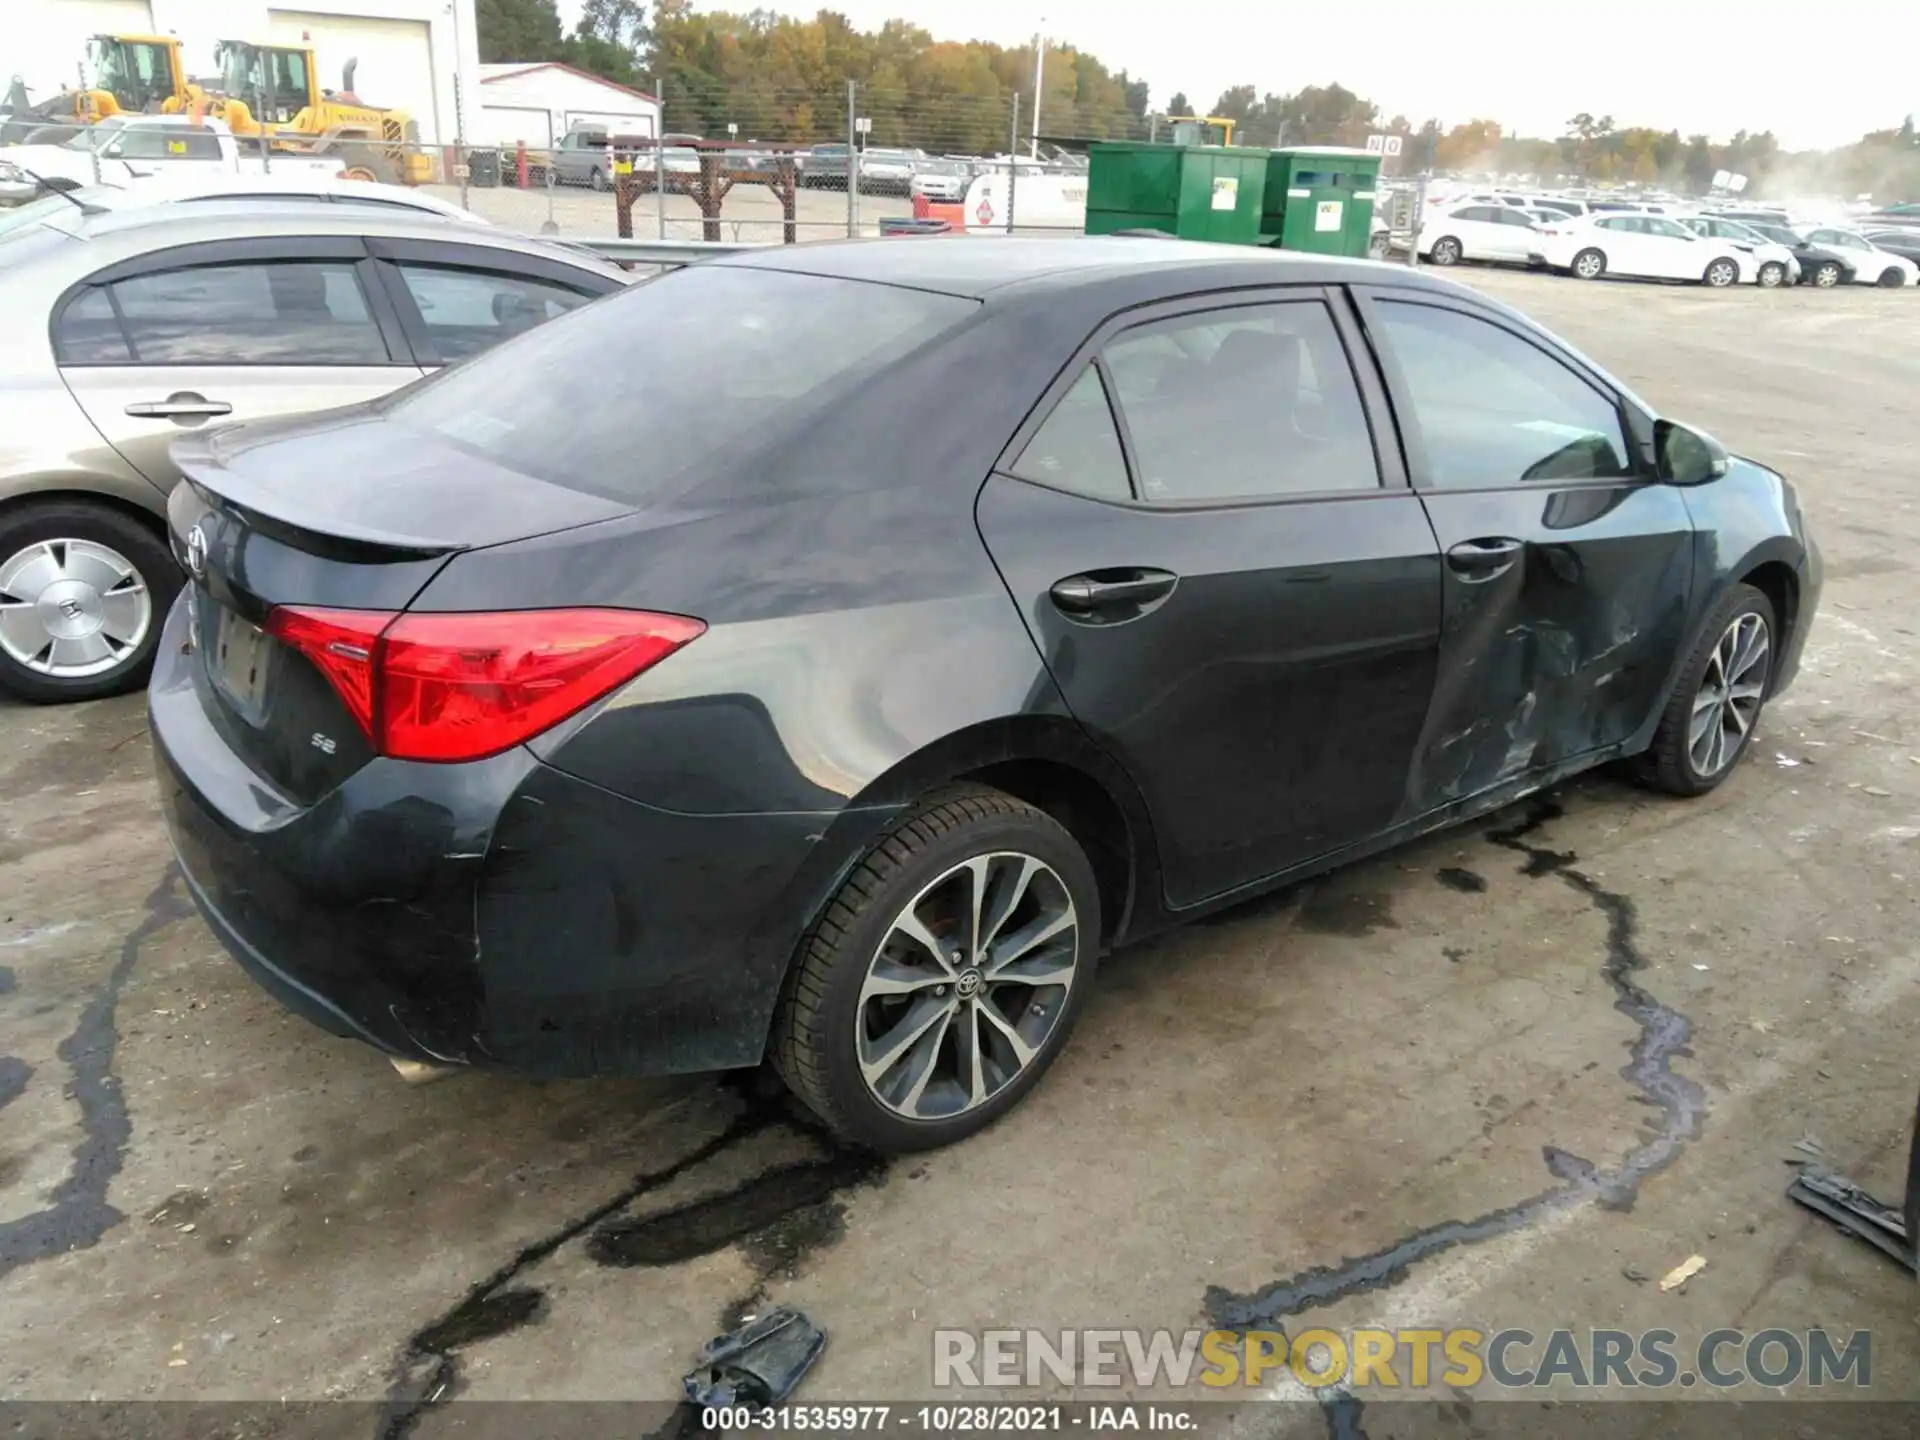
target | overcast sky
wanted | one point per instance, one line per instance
(1712, 66)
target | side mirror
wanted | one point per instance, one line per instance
(1687, 457)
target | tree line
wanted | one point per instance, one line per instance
(782, 79)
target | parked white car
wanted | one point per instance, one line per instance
(1775, 263)
(1649, 247)
(1477, 232)
(1871, 265)
(133, 148)
(320, 189)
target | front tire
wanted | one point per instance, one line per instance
(1828, 275)
(1772, 275)
(84, 590)
(1720, 274)
(1891, 278)
(1715, 707)
(945, 975)
(1446, 251)
(597, 179)
(1588, 265)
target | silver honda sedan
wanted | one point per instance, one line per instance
(121, 332)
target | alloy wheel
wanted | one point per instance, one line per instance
(1731, 690)
(968, 986)
(72, 608)
(1722, 273)
(1772, 275)
(1827, 276)
(1588, 265)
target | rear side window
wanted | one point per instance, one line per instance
(1493, 409)
(1078, 448)
(1251, 403)
(89, 333)
(283, 312)
(467, 311)
(619, 398)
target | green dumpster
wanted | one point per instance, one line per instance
(1320, 198)
(1197, 192)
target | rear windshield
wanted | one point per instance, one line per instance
(625, 395)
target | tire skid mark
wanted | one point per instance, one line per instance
(1681, 1104)
(80, 1213)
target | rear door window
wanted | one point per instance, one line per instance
(1256, 402)
(280, 312)
(621, 398)
(1078, 447)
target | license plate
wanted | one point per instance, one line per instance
(241, 654)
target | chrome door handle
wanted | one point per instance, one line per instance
(179, 407)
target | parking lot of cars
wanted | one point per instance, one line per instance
(1714, 244)
(1295, 1086)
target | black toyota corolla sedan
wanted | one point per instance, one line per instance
(828, 653)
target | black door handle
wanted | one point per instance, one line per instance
(1484, 558)
(1099, 590)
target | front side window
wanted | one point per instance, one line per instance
(467, 311)
(1494, 409)
(1243, 404)
(282, 312)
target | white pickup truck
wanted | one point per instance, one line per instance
(131, 148)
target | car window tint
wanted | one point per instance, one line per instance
(467, 311)
(88, 332)
(1668, 228)
(566, 401)
(1493, 409)
(1078, 447)
(162, 142)
(284, 312)
(1242, 404)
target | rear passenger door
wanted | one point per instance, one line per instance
(1229, 580)
(457, 300)
(167, 344)
(1567, 566)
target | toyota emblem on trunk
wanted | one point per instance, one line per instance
(197, 552)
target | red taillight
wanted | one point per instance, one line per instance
(341, 645)
(464, 686)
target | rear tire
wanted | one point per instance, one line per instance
(1721, 273)
(1589, 264)
(876, 1033)
(1827, 275)
(1446, 251)
(76, 549)
(1721, 691)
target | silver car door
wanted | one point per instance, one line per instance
(156, 351)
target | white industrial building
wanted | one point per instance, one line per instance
(536, 102)
(408, 51)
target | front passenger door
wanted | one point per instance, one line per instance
(1566, 566)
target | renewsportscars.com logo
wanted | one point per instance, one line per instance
(1361, 1359)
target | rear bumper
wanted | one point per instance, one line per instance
(496, 913)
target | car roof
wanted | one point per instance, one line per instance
(977, 266)
(124, 234)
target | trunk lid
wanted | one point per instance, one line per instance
(350, 514)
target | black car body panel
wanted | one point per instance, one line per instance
(625, 890)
